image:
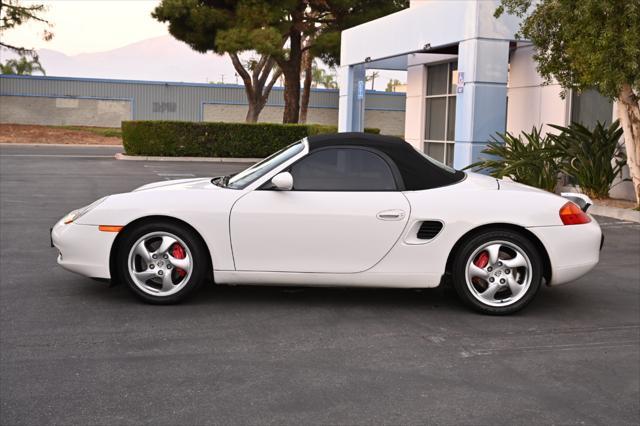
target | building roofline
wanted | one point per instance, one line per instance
(168, 83)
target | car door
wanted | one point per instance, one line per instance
(343, 215)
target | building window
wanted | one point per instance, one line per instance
(440, 118)
(589, 107)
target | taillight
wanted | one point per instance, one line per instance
(570, 214)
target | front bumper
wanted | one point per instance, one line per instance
(83, 249)
(573, 249)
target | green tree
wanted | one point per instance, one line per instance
(22, 66)
(279, 30)
(392, 84)
(204, 24)
(589, 44)
(322, 78)
(329, 81)
(14, 13)
(317, 75)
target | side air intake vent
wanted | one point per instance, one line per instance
(429, 229)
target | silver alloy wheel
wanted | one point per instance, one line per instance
(153, 266)
(504, 278)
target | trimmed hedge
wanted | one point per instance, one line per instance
(188, 139)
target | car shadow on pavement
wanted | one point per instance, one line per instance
(442, 298)
(212, 294)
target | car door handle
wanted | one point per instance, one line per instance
(391, 215)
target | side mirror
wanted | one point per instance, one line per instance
(282, 181)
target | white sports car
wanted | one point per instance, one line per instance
(347, 209)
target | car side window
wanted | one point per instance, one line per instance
(343, 169)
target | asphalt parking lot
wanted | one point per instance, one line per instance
(74, 351)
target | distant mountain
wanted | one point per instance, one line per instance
(161, 59)
(158, 59)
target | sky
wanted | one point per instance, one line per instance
(84, 26)
(90, 26)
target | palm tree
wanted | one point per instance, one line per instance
(22, 66)
(329, 81)
(320, 77)
(317, 75)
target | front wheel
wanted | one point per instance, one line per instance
(162, 262)
(497, 272)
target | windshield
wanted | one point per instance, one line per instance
(247, 176)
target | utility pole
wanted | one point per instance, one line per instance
(236, 74)
(373, 79)
(222, 78)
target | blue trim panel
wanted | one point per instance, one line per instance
(173, 83)
(30, 95)
(149, 82)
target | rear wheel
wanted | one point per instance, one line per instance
(497, 272)
(162, 262)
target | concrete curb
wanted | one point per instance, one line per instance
(70, 145)
(615, 213)
(121, 156)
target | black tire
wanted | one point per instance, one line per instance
(469, 247)
(200, 269)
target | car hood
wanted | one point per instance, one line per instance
(194, 183)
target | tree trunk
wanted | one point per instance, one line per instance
(291, 95)
(291, 70)
(306, 87)
(256, 86)
(253, 112)
(629, 114)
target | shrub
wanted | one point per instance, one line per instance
(593, 158)
(533, 161)
(179, 138)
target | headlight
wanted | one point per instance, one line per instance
(77, 214)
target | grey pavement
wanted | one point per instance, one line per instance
(73, 351)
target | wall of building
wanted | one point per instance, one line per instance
(414, 128)
(416, 90)
(530, 102)
(64, 111)
(270, 114)
(389, 122)
(102, 102)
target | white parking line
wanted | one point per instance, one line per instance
(57, 155)
(622, 224)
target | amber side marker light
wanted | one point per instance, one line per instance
(110, 228)
(571, 214)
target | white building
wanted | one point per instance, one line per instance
(467, 78)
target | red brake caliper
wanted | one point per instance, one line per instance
(177, 251)
(480, 261)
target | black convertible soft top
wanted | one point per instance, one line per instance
(418, 172)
